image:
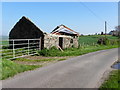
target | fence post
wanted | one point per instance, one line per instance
(28, 47)
(13, 49)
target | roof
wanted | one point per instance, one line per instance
(26, 18)
(64, 29)
(25, 29)
(54, 35)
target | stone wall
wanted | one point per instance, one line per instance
(51, 40)
(70, 42)
(75, 42)
(66, 42)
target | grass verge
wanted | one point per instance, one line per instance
(113, 81)
(40, 60)
(74, 51)
(10, 68)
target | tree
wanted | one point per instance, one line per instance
(102, 33)
(117, 29)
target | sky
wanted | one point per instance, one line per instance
(83, 17)
(60, 0)
(119, 13)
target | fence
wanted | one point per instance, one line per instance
(15, 48)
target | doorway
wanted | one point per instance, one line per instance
(61, 42)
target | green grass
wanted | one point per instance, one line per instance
(89, 40)
(10, 68)
(4, 43)
(113, 81)
(8, 53)
(74, 51)
(4, 40)
(40, 60)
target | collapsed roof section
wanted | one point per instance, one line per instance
(63, 30)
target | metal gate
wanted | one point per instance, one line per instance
(15, 48)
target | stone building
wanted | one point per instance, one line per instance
(26, 29)
(70, 37)
(114, 32)
(63, 41)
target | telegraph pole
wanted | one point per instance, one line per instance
(105, 28)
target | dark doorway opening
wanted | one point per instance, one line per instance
(42, 43)
(61, 42)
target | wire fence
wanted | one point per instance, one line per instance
(15, 48)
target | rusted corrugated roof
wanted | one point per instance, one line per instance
(64, 29)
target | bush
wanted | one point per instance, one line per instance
(5, 47)
(114, 42)
(53, 48)
(106, 41)
(44, 52)
(48, 52)
(103, 41)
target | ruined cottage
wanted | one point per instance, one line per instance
(62, 41)
(60, 37)
(70, 36)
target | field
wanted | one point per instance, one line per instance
(3, 40)
(90, 40)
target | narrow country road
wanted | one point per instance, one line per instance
(83, 71)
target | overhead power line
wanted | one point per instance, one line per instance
(101, 19)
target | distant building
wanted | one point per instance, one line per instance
(114, 33)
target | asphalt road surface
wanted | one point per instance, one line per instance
(83, 71)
